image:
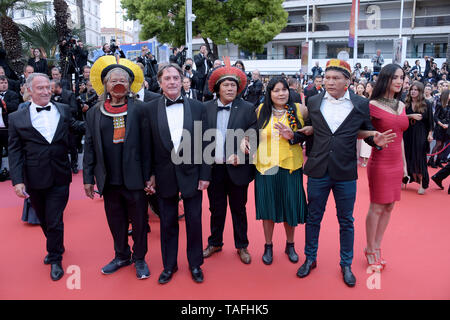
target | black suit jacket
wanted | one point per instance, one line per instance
(311, 92)
(195, 93)
(12, 101)
(182, 176)
(149, 95)
(199, 60)
(254, 92)
(242, 116)
(136, 148)
(34, 161)
(335, 153)
(68, 97)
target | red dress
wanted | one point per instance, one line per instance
(385, 167)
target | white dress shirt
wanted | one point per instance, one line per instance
(141, 94)
(223, 116)
(335, 111)
(45, 121)
(175, 118)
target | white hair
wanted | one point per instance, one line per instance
(32, 76)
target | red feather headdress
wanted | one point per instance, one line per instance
(227, 72)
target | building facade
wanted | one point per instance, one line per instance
(426, 26)
(91, 14)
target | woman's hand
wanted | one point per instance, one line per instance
(415, 116)
(284, 131)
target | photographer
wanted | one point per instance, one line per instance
(88, 98)
(150, 68)
(81, 54)
(178, 56)
(189, 72)
(203, 65)
(357, 72)
(109, 49)
(378, 62)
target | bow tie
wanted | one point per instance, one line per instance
(220, 108)
(47, 108)
(171, 102)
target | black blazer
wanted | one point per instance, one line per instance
(311, 92)
(199, 60)
(254, 92)
(336, 153)
(34, 161)
(149, 95)
(194, 93)
(39, 66)
(182, 177)
(242, 116)
(12, 101)
(136, 148)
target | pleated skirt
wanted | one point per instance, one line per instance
(280, 197)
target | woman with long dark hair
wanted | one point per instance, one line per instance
(279, 194)
(442, 120)
(418, 136)
(386, 167)
(38, 61)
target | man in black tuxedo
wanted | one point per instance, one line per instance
(39, 166)
(188, 91)
(177, 126)
(337, 117)
(203, 64)
(232, 171)
(65, 96)
(145, 95)
(315, 88)
(9, 102)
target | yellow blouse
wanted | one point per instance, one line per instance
(274, 150)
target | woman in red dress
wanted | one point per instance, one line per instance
(386, 167)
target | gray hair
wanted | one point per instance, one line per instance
(32, 76)
(108, 77)
(163, 67)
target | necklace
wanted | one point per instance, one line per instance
(391, 103)
(278, 112)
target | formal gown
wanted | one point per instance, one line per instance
(417, 145)
(385, 167)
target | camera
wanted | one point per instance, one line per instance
(187, 67)
(112, 45)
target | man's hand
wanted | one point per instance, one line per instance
(89, 190)
(203, 185)
(150, 186)
(233, 159)
(307, 130)
(245, 146)
(85, 108)
(19, 189)
(383, 139)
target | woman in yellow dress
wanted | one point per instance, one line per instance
(279, 194)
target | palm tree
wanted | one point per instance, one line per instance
(41, 35)
(61, 17)
(82, 22)
(10, 30)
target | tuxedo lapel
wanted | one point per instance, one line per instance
(187, 119)
(233, 114)
(28, 124)
(163, 125)
(60, 122)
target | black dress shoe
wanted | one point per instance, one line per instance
(142, 271)
(267, 257)
(197, 274)
(349, 278)
(56, 271)
(166, 275)
(115, 265)
(46, 260)
(290, 251)
(438, 182)
(306, 268)
(75, 170)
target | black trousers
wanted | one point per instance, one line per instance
(73, 150)
(443, 173)
(3, 140)
(121, 206)
(168, 217)
(49, 205)
(221, 188)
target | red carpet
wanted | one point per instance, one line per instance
(415, 246)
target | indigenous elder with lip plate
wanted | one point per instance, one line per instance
(279, 194)
(231, 171)
(37, 148)
(337, 117)
(117, 158)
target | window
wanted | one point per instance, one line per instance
(292, 52)
(436, 50)
(334, 49)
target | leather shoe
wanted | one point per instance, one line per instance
(267, 257)
(210, 250)
(306, 268)
(166, 275)
(349, 278)
(290, 251)
(115, 265)
(244, 255)
(197, 274)
(438, 182)
(46, 260)
(142, 271)
(56, 271)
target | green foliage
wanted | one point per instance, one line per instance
(249, 24)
